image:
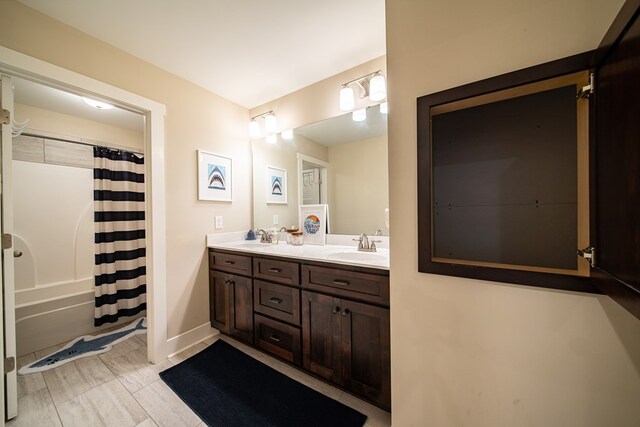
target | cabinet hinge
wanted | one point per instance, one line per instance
(588, 253)
(9, 364)
(5, 117)
(7, 241)
(586, 91)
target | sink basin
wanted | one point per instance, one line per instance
(356, 256)
(252, 245)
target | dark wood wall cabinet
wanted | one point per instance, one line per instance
(329, 320)
(533, 177)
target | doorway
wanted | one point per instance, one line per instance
(15, 64)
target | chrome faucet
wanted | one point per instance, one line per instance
(264, 236)
(366, 245)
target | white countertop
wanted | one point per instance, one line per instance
(338, 254)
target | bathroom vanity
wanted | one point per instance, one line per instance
(323, 309)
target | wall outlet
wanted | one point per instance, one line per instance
(219, 222)
(275, 220)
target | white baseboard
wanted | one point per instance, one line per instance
(190, 338)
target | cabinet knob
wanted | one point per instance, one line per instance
(336, 310)
(275, 300)
(274, 338)
(275, 270)
(341, 282)
(229, 262)
(346, 312)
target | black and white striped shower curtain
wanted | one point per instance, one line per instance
(120, 269)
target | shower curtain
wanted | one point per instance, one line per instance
(120, 271)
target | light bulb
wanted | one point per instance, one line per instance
(270, 123)
(97, 104)
(287, 134)
(359, 115)
(347, 101)
(271, 139)
(254, 129)
(384, 108)
(377, 88)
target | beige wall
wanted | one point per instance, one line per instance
(358, 186)
(284, 155)
(468, 352)
(66, 125)
(195, 119)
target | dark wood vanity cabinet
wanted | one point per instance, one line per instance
(231, 304)
(348, 343)
(331, 320)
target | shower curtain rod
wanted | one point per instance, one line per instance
(90, 144)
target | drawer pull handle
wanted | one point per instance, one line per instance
(275, 270)
(275, 300)
(341, 282)
(229, 262)
(335, 310)
(346, 312)
(274, 338)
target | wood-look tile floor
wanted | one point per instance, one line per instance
(120, 388)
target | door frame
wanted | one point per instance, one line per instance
(20, 65)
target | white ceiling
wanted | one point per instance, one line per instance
(248, 51)
(48, 98)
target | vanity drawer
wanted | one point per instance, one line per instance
(239, 264)
(278, 338)
(277, 271)
(345, 283)
(281, 302)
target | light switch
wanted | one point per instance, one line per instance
(219, 222)
(275, 220)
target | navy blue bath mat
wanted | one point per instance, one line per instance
(227, 388)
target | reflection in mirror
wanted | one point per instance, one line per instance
(336, 161)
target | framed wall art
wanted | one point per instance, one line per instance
(313, 223)
(214, 177)
(276, 185)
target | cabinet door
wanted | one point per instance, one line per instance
(219, 290)
(321, 335)
(241, 308)
(366, 362)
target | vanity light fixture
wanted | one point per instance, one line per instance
(372, 85)
(287, 134)
(270, 124)
(377, 88)
(347, 101)
(97, 104)
(359, 115)
(384, 108)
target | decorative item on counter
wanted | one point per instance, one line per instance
(297, 238)
(290, 230)
(251, 235)
(313, 222)
(274, 236)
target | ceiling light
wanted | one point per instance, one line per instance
(254, 129)
(359, 115)
(377, 88)
(384, 108)
(347, 101)
(271, 139)
(287, 134)
(97, 104)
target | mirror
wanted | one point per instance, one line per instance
(336, 161)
